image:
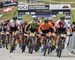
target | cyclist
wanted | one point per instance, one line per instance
(44, 29)
(12, 24)
(52, 31)
(1, 27)
(5, 30)
(73, 26)
(52, 25)
(62, 27)
(5, 25)
(13, 28)
(33, 27)
(24, 26)
(0, 34)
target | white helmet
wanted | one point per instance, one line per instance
(34, 16)
(11, 20)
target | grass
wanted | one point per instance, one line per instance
(72, 15)
(8, 15)
(27, 18)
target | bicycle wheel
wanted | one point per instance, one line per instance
(30, 49)
(13, 44)
(30, 45)
(49, 50)
(59, 52)
(45, 51)
(23, 45)
(12, 49)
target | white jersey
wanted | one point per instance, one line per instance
(18, 23)
(57, 24)
(13, 24)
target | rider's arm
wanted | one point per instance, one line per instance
(57, 23)
(68, 27)
(54, 27)
(28, 27)
(40, 28)
(8, 26)
(71, 30)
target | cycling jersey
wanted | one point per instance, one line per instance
(4, 26)
(52, 26)
(12, 23)
(34, 27)
(73, 28)
(0, 28)
(44, 26)
(18, 23)
(61, 27)
(61, 24)
(12, 26)
(25, 28)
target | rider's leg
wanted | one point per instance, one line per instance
(66, 41)
(58, 32)
(57, 40)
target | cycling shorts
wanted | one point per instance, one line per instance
(61, 30)
(5, 29)
(45, 32)
(0, 30)
(13, 29)
(51, 30)
(32, 30)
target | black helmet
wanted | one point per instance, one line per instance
(62, 18)
(8, 21)
(46, 21)
(14, 18)
(36, 18)
(73, 22)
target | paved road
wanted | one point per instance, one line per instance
(17, 55)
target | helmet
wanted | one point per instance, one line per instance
(46, 21)
(14, 18)
(73, 23)
(8, 21)
(35, 18)
(62, 18)
(5, 21)
(25, 22)
(42, 17)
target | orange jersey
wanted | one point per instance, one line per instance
(51, 25)
(44, 26)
